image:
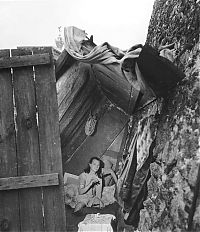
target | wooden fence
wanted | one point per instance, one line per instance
(31, 183)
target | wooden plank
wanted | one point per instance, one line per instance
(66, 82)
(26, 60)
(69, 85)
(56, 52)
(9, 203)
(31, 215)
(50, 148)
(87, 91)
(28, 181)
(63, 62)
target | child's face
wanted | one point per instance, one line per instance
(107, 164)
(94, 166)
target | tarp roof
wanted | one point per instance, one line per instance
(110, 66)
(116, 71)
(90, 78)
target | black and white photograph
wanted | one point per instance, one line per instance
(100, 116)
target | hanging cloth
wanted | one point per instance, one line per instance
(122, 180)
(83, 49)
(159, 73)
(147, 131)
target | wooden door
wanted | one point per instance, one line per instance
(31, 182)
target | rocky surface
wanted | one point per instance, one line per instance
(175, 21)
(173, 201)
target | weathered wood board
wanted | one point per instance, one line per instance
(31, 192)
(27, 143)
(50, 149)
(8, 155)
(28, 181)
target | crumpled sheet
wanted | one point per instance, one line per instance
(108, 195)
(104, 53)
(80, 48)
(71, 194)
(159, 74)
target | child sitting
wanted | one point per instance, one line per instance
(90, 186)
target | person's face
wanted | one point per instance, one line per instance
(94, 166)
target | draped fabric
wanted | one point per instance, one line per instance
(160, 74)
(127, 173)
(144, 69)
(138, 190)
(75, 40)
(81, 48)
(135, 172)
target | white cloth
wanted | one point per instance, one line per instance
(104, 54)
(96, 222)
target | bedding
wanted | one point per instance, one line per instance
(71, 191)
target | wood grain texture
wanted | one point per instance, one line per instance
(63, 62)
(29, 181)
(83, 101)
(27, 144)
(50, 149)
(69, 84)
(9, 203)
(26, 60)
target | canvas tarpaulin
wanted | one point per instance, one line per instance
(128, 67)
(157, 73)
(76, 45)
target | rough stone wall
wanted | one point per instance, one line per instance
(172, 203)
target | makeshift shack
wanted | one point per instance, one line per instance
(134, 109)
(99, 90)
